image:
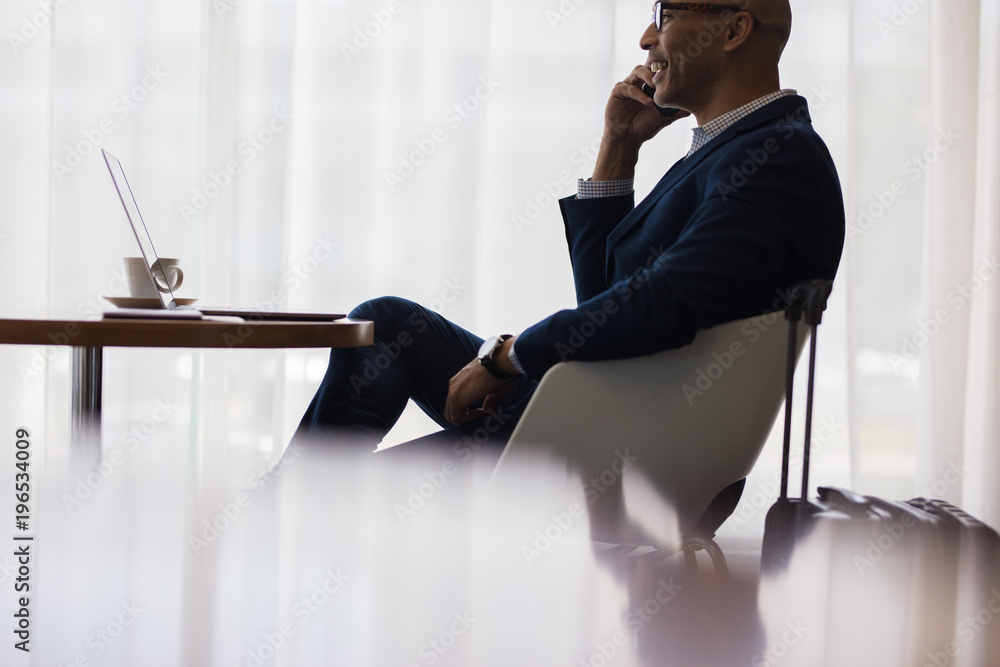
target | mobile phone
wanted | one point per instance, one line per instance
(666, 112)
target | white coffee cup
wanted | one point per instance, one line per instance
(166, 271)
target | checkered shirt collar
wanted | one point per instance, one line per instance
(712, 129)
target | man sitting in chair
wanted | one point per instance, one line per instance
(754, 207)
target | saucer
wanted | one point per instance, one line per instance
(143, 301)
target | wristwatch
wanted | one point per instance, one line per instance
(488, 357)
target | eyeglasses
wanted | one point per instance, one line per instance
(701, 7)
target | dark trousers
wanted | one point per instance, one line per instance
(416, 352)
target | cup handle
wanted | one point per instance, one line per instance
(161, 281)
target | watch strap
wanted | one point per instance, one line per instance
(489, 360)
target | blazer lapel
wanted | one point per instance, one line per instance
(777, 109)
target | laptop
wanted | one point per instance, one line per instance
(169, 306)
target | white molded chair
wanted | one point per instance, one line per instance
(694, 419)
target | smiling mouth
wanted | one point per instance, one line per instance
(657, 65)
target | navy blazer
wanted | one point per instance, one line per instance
(721, 237)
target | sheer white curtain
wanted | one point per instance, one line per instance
(983, 389)
(316, 153)
(961, 260)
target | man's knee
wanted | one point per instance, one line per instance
(384, 308)
(397, 321)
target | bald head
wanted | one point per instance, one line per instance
(775, 18)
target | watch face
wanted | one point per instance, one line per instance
(488, 345)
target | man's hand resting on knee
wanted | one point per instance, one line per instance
(474, 392)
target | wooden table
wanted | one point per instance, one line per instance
(88, 338)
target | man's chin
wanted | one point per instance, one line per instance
(664, 98)
(666, 101)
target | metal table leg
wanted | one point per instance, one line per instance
(85, 433)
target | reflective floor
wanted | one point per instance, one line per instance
(341, 559)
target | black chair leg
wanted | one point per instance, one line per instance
(691, 544)
(691, 557)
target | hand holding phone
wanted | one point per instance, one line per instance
(666, 112)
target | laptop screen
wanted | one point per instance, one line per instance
(138, 225)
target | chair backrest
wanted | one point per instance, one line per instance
(693, 419)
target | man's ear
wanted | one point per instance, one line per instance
(738, 31)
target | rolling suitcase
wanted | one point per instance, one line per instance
(866, 581)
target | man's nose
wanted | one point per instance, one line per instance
(649, 38)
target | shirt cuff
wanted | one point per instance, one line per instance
(512, 358)
(588, 189)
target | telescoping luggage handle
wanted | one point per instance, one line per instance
(809, 299)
